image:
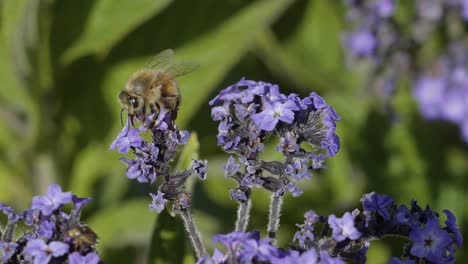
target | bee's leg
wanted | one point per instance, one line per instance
(172, 102)
(154, 108)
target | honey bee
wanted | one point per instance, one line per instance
(83, 236)
(153, 87)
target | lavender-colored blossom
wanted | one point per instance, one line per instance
(273, 113)
(79, 203)
(46, 229)
(298, 169)
(53, 199)
(127, 138)
(404, 215)
(430, 242)
(158, 202)
(77, 258)
(361, 43)
(385, 8)
(7, 250)
(42, 252)
(306, 233)
(238, 195)
(343, 227)
(290, 187)
(199, 168)
(138, 169)
(452, 226)
(378, 203)
(231, 167)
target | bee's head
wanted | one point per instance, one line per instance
(131, 103)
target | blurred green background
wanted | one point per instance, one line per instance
(62, 64)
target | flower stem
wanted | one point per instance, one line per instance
(243, 215)
(274, 216)
(193, 233)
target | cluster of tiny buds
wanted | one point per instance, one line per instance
(346, 239)
(249, 113)
(154, 156)
(52, 235)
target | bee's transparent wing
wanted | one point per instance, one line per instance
(179, 69)
(160, 60)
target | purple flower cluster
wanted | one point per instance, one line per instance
(349, 237)
(251, 112)
(377, 34)
(53, 235)
(247, 247)
(153, 158)
(444, 95)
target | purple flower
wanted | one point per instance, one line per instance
(53, 200)
(79, 203)
(288, 143)
(127, 138)
(238, 195)
(451, 223)
(290, 187)
(274, 112)
(464, 9)
(77, 258)
(298, 169)
(42, 252)
(375, 202)
(385, 8)
(343, 227)
(234, 239)
(7, 250)
(138, 169)
(404, 216)
(218, 113)
(158, 202)
(430, 242)
(231, 167)
(199, 168)
(454, 106)
(361, 43)
(429, 92)
(46, 229)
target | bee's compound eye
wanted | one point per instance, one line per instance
(133, 101)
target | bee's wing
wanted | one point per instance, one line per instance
(178, 69)
(160, 60)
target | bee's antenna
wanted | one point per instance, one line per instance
(121, 119)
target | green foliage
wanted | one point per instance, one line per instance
(62, 64)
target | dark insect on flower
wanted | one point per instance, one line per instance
(82, 236)
(152, 88)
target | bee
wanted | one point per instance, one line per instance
(83, 236)
(153, 87)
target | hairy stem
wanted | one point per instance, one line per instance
(9, 231)
(243, 215)
(193, 233)
(274, 216)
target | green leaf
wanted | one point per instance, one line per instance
(219, 50)
(129, 222)
(92, 163)
(168, 240)
(315, 47)
(109, 22)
